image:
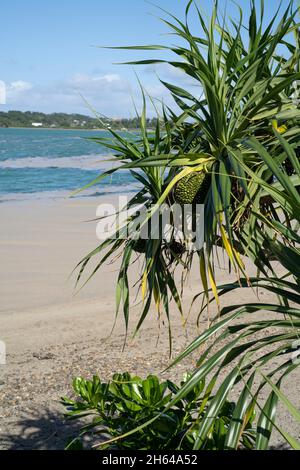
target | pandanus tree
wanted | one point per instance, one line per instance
(249, 351)
(255, 345)
(219, 149)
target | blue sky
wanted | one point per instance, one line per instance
(48, 56)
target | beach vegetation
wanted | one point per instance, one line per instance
(214, 150)
(234, 143)
(258, 342)
(250, 349)
(111, 409)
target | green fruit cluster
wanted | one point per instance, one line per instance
(191, 188)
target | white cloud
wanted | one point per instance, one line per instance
(109, 77)
(18, 86)
(110, 94)
(94, 85)
(171, 74)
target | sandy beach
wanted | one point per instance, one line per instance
(52, 335)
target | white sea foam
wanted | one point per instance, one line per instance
(65, 194)
(84, 162)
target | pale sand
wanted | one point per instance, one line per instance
(52, 335)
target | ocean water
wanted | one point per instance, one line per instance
(42, 163)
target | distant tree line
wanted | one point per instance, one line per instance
(66, 121)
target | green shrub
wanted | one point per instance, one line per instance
(127, 402)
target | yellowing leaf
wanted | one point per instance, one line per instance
(226, 244)
(213, 284)
(203, 273)
(144, 284)
(282, 129)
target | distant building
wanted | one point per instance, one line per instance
(36, 124)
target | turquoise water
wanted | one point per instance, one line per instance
(41, 163)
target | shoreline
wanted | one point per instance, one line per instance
(74, 129)
(63, 198)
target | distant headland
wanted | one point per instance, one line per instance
(32, 119)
